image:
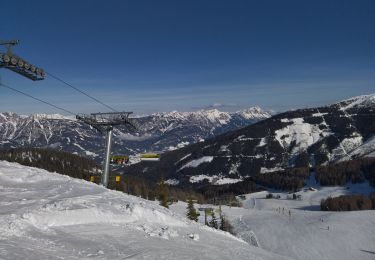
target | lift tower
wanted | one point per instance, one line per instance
(104, 123)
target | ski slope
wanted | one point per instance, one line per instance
(307, 233)
(45, 215)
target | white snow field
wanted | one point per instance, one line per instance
(45, 215)
(308, 233)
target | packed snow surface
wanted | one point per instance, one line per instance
(307, 233)
(50, 216)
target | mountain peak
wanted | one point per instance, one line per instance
(358, 101)
(254, 112)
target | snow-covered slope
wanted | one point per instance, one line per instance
(307, 233)
(359, 101)
(49, 216)
(157, 132)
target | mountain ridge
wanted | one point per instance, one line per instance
(305, 137)
(158, 132)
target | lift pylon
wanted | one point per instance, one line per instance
(104, 123)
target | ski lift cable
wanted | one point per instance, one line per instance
(81, 91)
(37, 99)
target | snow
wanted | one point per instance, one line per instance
(50, 216)
(347, 145)
(351, 235)
(182, 144)
(171, 148)
(183, 158)
(223, 180)
(285, 120)
(88, 153)
(215, 115)
(52, 116)
(366, 149)
(242, 138)
(172, 182)
(201, 177)
(234, 168)
(302, 133)
(197, 162)
(359, 101)
(303, 235)
(262, 142)
(319, 114)
(213, 179)
(224, 148)
(178, 146)
(266, 170)
(254, 112)
(352, 143)
(130, 137)
(212, 115)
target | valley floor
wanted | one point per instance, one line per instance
(307, 233)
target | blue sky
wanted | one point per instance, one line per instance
(147, 56)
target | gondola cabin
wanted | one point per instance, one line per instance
(119, 159)
(150, 157)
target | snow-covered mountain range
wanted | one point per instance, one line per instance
(305, 137)
(157, 132)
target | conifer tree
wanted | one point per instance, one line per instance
(213, 223)
(163, 193)
(225, 225)
(191, 212)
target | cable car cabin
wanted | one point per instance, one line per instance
(150, 157)
(119, 159)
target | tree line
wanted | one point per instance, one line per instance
(225, 194)
(355, 171)
(290, 179)
(348, 203)
(52, 160)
